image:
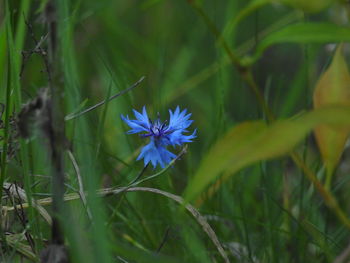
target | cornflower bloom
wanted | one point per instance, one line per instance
(161, 134)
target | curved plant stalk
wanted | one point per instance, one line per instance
(250, 8)
(21, 194)
(14, 240)
(195, 81)
(80, 183)
(247, 76)
(244, 71)
(115, 191)
(76, 115)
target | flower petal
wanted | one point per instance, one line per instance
(161, 135)
(141, 124)
(178, 138)
(142, 118)
(135, 125)
(155, 154)
(179, 119)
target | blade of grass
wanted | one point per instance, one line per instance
(115, 191)
(247, 76)
(70, 117)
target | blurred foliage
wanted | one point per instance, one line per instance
(247, 71)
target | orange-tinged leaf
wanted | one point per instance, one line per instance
(333, 88)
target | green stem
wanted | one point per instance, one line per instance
(242, 70)
(247, 76)
(329, 199)
(6, 121)
(8, 101)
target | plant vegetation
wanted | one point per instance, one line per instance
(266, 176)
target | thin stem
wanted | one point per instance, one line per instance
(3, 164)
(73, 116)
(329, 199)
(244, 71)
(80, 183)
(247, 76)
(115, 191)
(183, 151)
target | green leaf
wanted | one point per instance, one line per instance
(255, 141)
(305, 33)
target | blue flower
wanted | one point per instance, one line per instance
(161, 134)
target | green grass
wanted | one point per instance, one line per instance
(235, 195)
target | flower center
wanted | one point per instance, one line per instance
(158, 128)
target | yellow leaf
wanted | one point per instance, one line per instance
(333, 88)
